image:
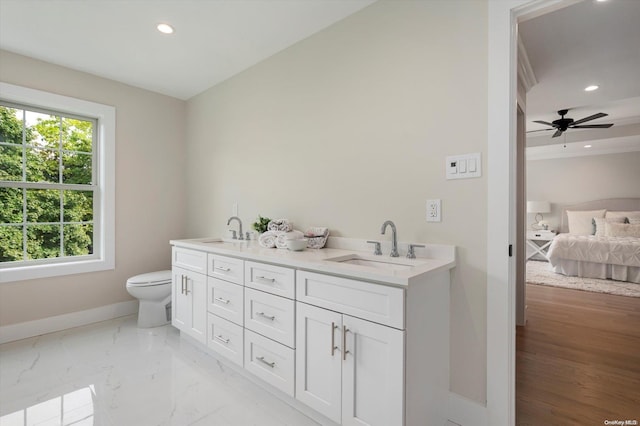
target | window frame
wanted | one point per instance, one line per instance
(103, 257)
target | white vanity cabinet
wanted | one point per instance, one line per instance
(344, 344)
(349, 369)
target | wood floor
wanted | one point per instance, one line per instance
(578, 359)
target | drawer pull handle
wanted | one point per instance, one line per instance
(262, 360)
(225, 301)
(344, 342)
(222, 339)
(269, 317)
(222, 268)
(271, 280)
(333, 338)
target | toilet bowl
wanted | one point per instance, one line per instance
(153, 290)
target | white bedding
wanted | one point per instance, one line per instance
(623, 251)
(615, 258)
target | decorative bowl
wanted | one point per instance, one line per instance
(297, 245)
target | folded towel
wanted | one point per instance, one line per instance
(281, 240)
(317, 231)
(268, 239)
(280, 225)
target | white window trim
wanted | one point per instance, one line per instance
(106, 131)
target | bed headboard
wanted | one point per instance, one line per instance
(615, 204)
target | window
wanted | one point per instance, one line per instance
(56, 184)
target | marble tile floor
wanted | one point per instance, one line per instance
(114, 374)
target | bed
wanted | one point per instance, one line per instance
(604, 241)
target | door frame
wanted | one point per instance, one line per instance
(503, 18)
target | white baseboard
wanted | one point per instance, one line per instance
(23, 330)
(466, 412)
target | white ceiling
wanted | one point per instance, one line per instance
(117, 39)
(586, 43)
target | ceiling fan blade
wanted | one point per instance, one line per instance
(557, 133)
(591, 117)
(593, 126)
(540, 130)
(545, 122)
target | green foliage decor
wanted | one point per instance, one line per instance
(261, 224)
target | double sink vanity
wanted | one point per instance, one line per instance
(346, 336)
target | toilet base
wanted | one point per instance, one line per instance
(153, 313)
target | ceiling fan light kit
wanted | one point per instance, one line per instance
(563, 124)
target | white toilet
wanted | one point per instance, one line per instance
(154, 292)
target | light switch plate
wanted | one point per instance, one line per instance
(434, 210)
(463, 166)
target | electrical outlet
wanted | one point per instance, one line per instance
(434, 210)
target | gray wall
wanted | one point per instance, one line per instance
(578, 179)
(150, 199)
(351, 127)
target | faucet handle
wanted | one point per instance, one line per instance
(410, 253)
(234, 236)
(377, 251)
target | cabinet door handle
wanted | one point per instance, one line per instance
(222, 268)
(271, 280)
(182, 287)
(263, 315)
(262, 360)
(222, 339)
(186, 285)
(333, 338)
(344, 342)
(225, 301)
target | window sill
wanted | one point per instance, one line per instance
(21, 273)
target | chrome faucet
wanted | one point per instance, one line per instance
(240, 225)
(394, 237)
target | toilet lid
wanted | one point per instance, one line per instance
(151, 278)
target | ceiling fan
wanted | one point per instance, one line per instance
(562, 124)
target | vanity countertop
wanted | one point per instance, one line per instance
(352, 258)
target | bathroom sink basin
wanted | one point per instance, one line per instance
(223, 241)
(378, 262)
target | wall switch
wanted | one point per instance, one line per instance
(434, 210)
(463, 166)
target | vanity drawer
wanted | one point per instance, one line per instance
(272, 362)
(226, 338)
(272, 279)
(226, 268)
(374, 302)
(226, 300)
(272, 316)
(192, 260)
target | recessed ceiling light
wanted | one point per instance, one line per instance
(587, 146)
(591, 88)
(165, 28)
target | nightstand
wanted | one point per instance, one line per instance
(539, 241)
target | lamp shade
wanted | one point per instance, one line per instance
(538, 207)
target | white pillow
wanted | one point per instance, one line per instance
(629, 214)
(581, 221)
(622, 230)
(599, 223)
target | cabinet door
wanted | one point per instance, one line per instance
(373, 374)
(196, 288)
(189, 303)
(180, 301)
(318, 359)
